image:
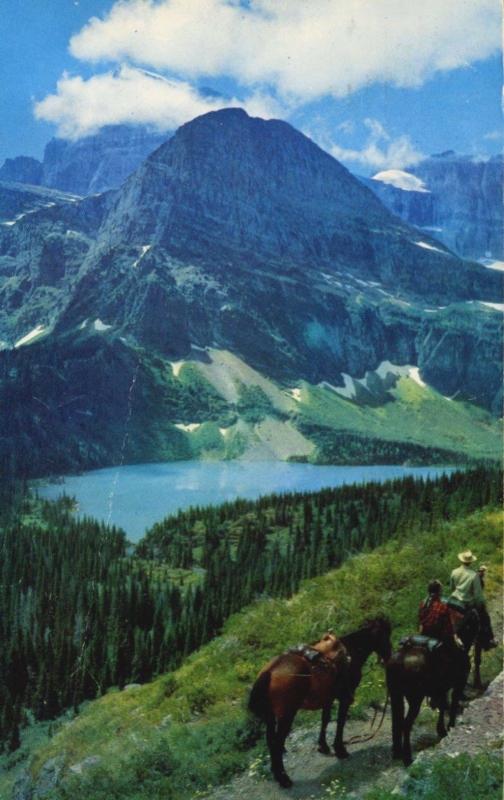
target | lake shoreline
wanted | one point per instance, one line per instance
(134, 497)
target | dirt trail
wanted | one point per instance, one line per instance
(316, 776)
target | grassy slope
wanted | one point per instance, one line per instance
(417, 414)
(192, 723)
(237, 413)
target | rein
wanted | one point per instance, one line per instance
(367, 738)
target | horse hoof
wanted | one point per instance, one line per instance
(407, 761)
(342, 752)
(284, 780)
(324, 749)
(396, 755)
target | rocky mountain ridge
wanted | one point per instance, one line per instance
(88, 165)
(460, 202)
(243, 236)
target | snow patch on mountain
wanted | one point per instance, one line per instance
(414, 373)
(387, 368)
(100, 326)
(401, 180)
(496, 306)
(144, 249)
(176, 367)
(31, 336)
(490, 263)
(189, 428)
(428, 246)
(384, 370)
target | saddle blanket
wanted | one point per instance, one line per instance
(417, 640)
(307, 652)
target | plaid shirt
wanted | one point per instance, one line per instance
(435, 620)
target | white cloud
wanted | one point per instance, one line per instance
(347, 126)
(399, 153)
(303, 50)
(128, 95)
(377, 130)
(401, 180)
(493, 136)
(380, 151)
(292, 50)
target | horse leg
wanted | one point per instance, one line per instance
(271, 739)
(323, 747)
(397, 707)
(414, 704)
(339, 748)
(440, 727)
(454, 707)
(457, 693)
(477, 667)
(283, 728)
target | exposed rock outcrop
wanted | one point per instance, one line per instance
(238, 234)
(461, 204)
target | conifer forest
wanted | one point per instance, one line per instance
(84, 610)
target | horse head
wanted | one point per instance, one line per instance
(379, 629)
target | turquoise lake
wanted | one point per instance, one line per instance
(133, 497)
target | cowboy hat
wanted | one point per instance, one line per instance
(466, 557)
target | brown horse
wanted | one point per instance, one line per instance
(414, 673)
(290, 682)
(468, 628)
(372, 636)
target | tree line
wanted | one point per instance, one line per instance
(81, 613)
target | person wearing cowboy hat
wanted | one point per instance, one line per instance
(467, 590)
(465, 583)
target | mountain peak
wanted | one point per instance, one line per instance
(244, 184)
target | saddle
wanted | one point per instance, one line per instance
(418, 640)
(317, 661)
(312, 656)
(456, 605)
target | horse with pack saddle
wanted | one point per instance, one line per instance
(313, 677)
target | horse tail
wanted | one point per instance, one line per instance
(259, 703)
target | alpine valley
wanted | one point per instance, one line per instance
(241, 294)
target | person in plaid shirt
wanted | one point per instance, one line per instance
(434, 616)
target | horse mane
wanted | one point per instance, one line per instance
(367, 625)
(371, 622)
(380, 618)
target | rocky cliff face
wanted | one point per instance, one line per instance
(461, 204)
(100, 162)
(90, 165)
(230, 186)
(242, 235)
(22, 169)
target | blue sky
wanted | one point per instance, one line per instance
(378, 83)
